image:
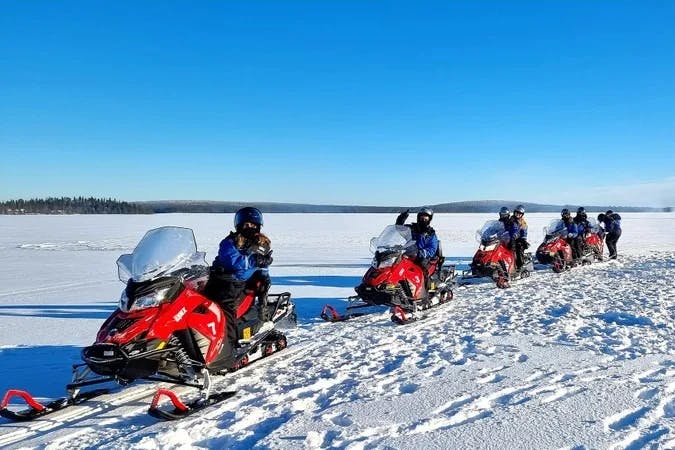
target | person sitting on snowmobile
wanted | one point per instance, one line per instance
(424, 235)
(612, 226)
(511, 225)
(241, 265)
(505, 217)
(574, 236)
(581, 219)
(518, 234)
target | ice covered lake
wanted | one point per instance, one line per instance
(583, 359)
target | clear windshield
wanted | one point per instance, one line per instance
(393, 237)
(555, 228)
(593, 225)
(492, 230)
(160, 252)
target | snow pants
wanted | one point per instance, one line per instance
(611, 241)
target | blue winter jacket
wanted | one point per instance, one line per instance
(234, 261)
(427, 243)
(515, 229)
(572, 229)
(612, 225)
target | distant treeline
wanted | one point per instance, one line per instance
(477, 206)
(68, 205)
(90, 205)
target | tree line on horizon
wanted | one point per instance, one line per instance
(91, 205)
(72, 205)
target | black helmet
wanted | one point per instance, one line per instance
(581, 213)
(426, 211)
(248, 214)
(504, 212)
(601, 217)
(609, 212)
(565, 212)
(519, 209)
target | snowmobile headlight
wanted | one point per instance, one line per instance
(124, 301)
(387, 262)
(151, 300)
(491, 246)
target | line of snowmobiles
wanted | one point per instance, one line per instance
(398, 281)
(165, 329)
(495, 259)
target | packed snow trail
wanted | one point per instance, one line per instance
(492, 362)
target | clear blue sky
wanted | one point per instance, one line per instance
(347, 102)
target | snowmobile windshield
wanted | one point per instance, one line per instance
(493, 230)
(393, 238)
(555, 228)
(160, 252)
(593, 225)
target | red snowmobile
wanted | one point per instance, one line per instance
(592, 240)
(555, 250)
(397, 280)
(165, 330)
(494, 259)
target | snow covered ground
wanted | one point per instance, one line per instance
(580, 360)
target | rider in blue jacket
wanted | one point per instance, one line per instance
(425, 237)
(612, 224)
(242, 260)
(422, 232)
(518, 233)
(574, 235)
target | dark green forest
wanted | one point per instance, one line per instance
(75, 205)
(91, 205)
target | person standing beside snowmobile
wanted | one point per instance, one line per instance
(424, 236)
(518, 234)
(240, 266)
(574, 238)
(612, 224)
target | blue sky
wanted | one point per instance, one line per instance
(343, 102)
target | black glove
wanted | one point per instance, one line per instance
(524, 243)
(263, 260)
(400, 220)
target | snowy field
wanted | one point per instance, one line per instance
(580, 360)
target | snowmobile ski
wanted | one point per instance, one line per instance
(330, 314)
(37, 409)
(180, 409)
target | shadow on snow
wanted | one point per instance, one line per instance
(87, 311)
(338, 281)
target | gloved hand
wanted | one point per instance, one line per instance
(400, 220)
(263, 260)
